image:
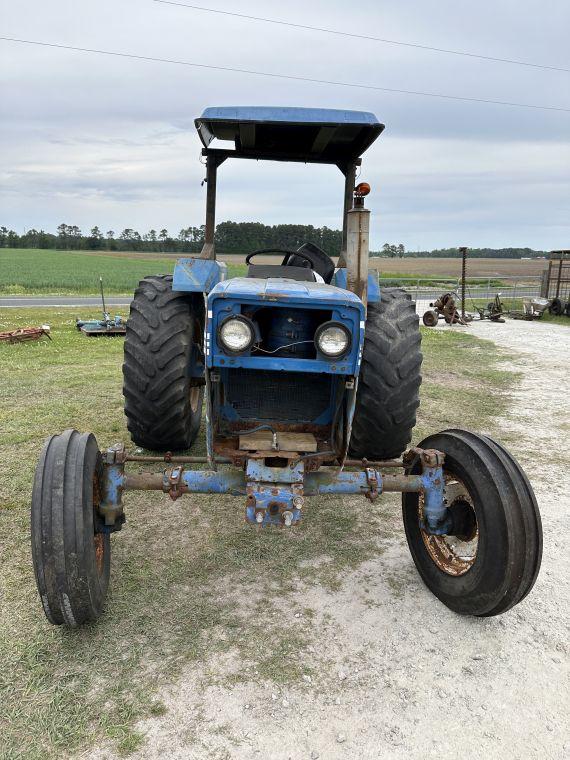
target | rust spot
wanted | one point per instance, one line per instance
(99, 541)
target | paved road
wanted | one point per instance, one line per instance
(26, 302)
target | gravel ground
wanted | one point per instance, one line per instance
(397, 674)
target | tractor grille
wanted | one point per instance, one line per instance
(278, 396)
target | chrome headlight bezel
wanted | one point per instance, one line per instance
(322, 329)
(246, 346)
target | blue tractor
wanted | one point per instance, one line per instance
(309, 374)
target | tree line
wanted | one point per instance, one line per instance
(230, 237)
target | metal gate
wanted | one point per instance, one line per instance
(556, 279)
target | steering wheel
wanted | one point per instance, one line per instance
(287, 251)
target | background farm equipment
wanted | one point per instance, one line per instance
(533, 308)
(556, 283)
(106, 326)
(310, 377)
(557, 307)
(23, 334)
(493, 311)
(445, 308)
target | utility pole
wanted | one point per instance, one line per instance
(463, 250)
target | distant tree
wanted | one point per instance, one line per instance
(95, 239)
(3, 236)
(164, 240)
(63, 236)
(230, 237)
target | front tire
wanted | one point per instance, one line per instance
(491, 562)
(71, 554)
(390, 378)
(162, 403)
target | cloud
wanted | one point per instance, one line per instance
(100, 140)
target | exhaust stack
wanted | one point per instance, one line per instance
(357, 244)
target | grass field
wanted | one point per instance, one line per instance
(29, 271)
(189, 579)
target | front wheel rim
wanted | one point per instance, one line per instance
(454, 555)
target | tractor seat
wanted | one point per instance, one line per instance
(263, 271)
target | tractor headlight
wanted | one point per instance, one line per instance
(236, 334)
(332, 339)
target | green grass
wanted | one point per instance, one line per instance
(561, 320)
(451, 282)
(189, 580)
(29, 271)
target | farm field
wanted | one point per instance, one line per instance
(436, 267)
(29, 271)
(452, 267)
(205, 612)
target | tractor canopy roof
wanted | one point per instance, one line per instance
(315, 135)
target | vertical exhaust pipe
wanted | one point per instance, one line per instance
(357, 244)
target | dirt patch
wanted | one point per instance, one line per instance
(393, 672)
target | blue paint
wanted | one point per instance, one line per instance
(437, 519)
(272, 504)
(274, 114)
(270, 518)
(345, 482)
(373, 295)
(257, 470)
(275, 494)
(245, 295)
(194, 275)
(113, 483)
(207, 481)
(291, 134)
(278, 289)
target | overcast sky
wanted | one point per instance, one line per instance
(90, 139)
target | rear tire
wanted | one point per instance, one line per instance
(71, 555)
(556, 308)
(162, 404)
(502, 568)
(390, 378)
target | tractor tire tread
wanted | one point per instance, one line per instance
(390, 378)
(156, 384)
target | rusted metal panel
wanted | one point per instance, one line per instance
(23, 334)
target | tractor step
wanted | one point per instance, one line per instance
(265, 440)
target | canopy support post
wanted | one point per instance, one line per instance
(212, 163)
(349, 171)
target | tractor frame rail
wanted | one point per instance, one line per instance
(274, 495)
